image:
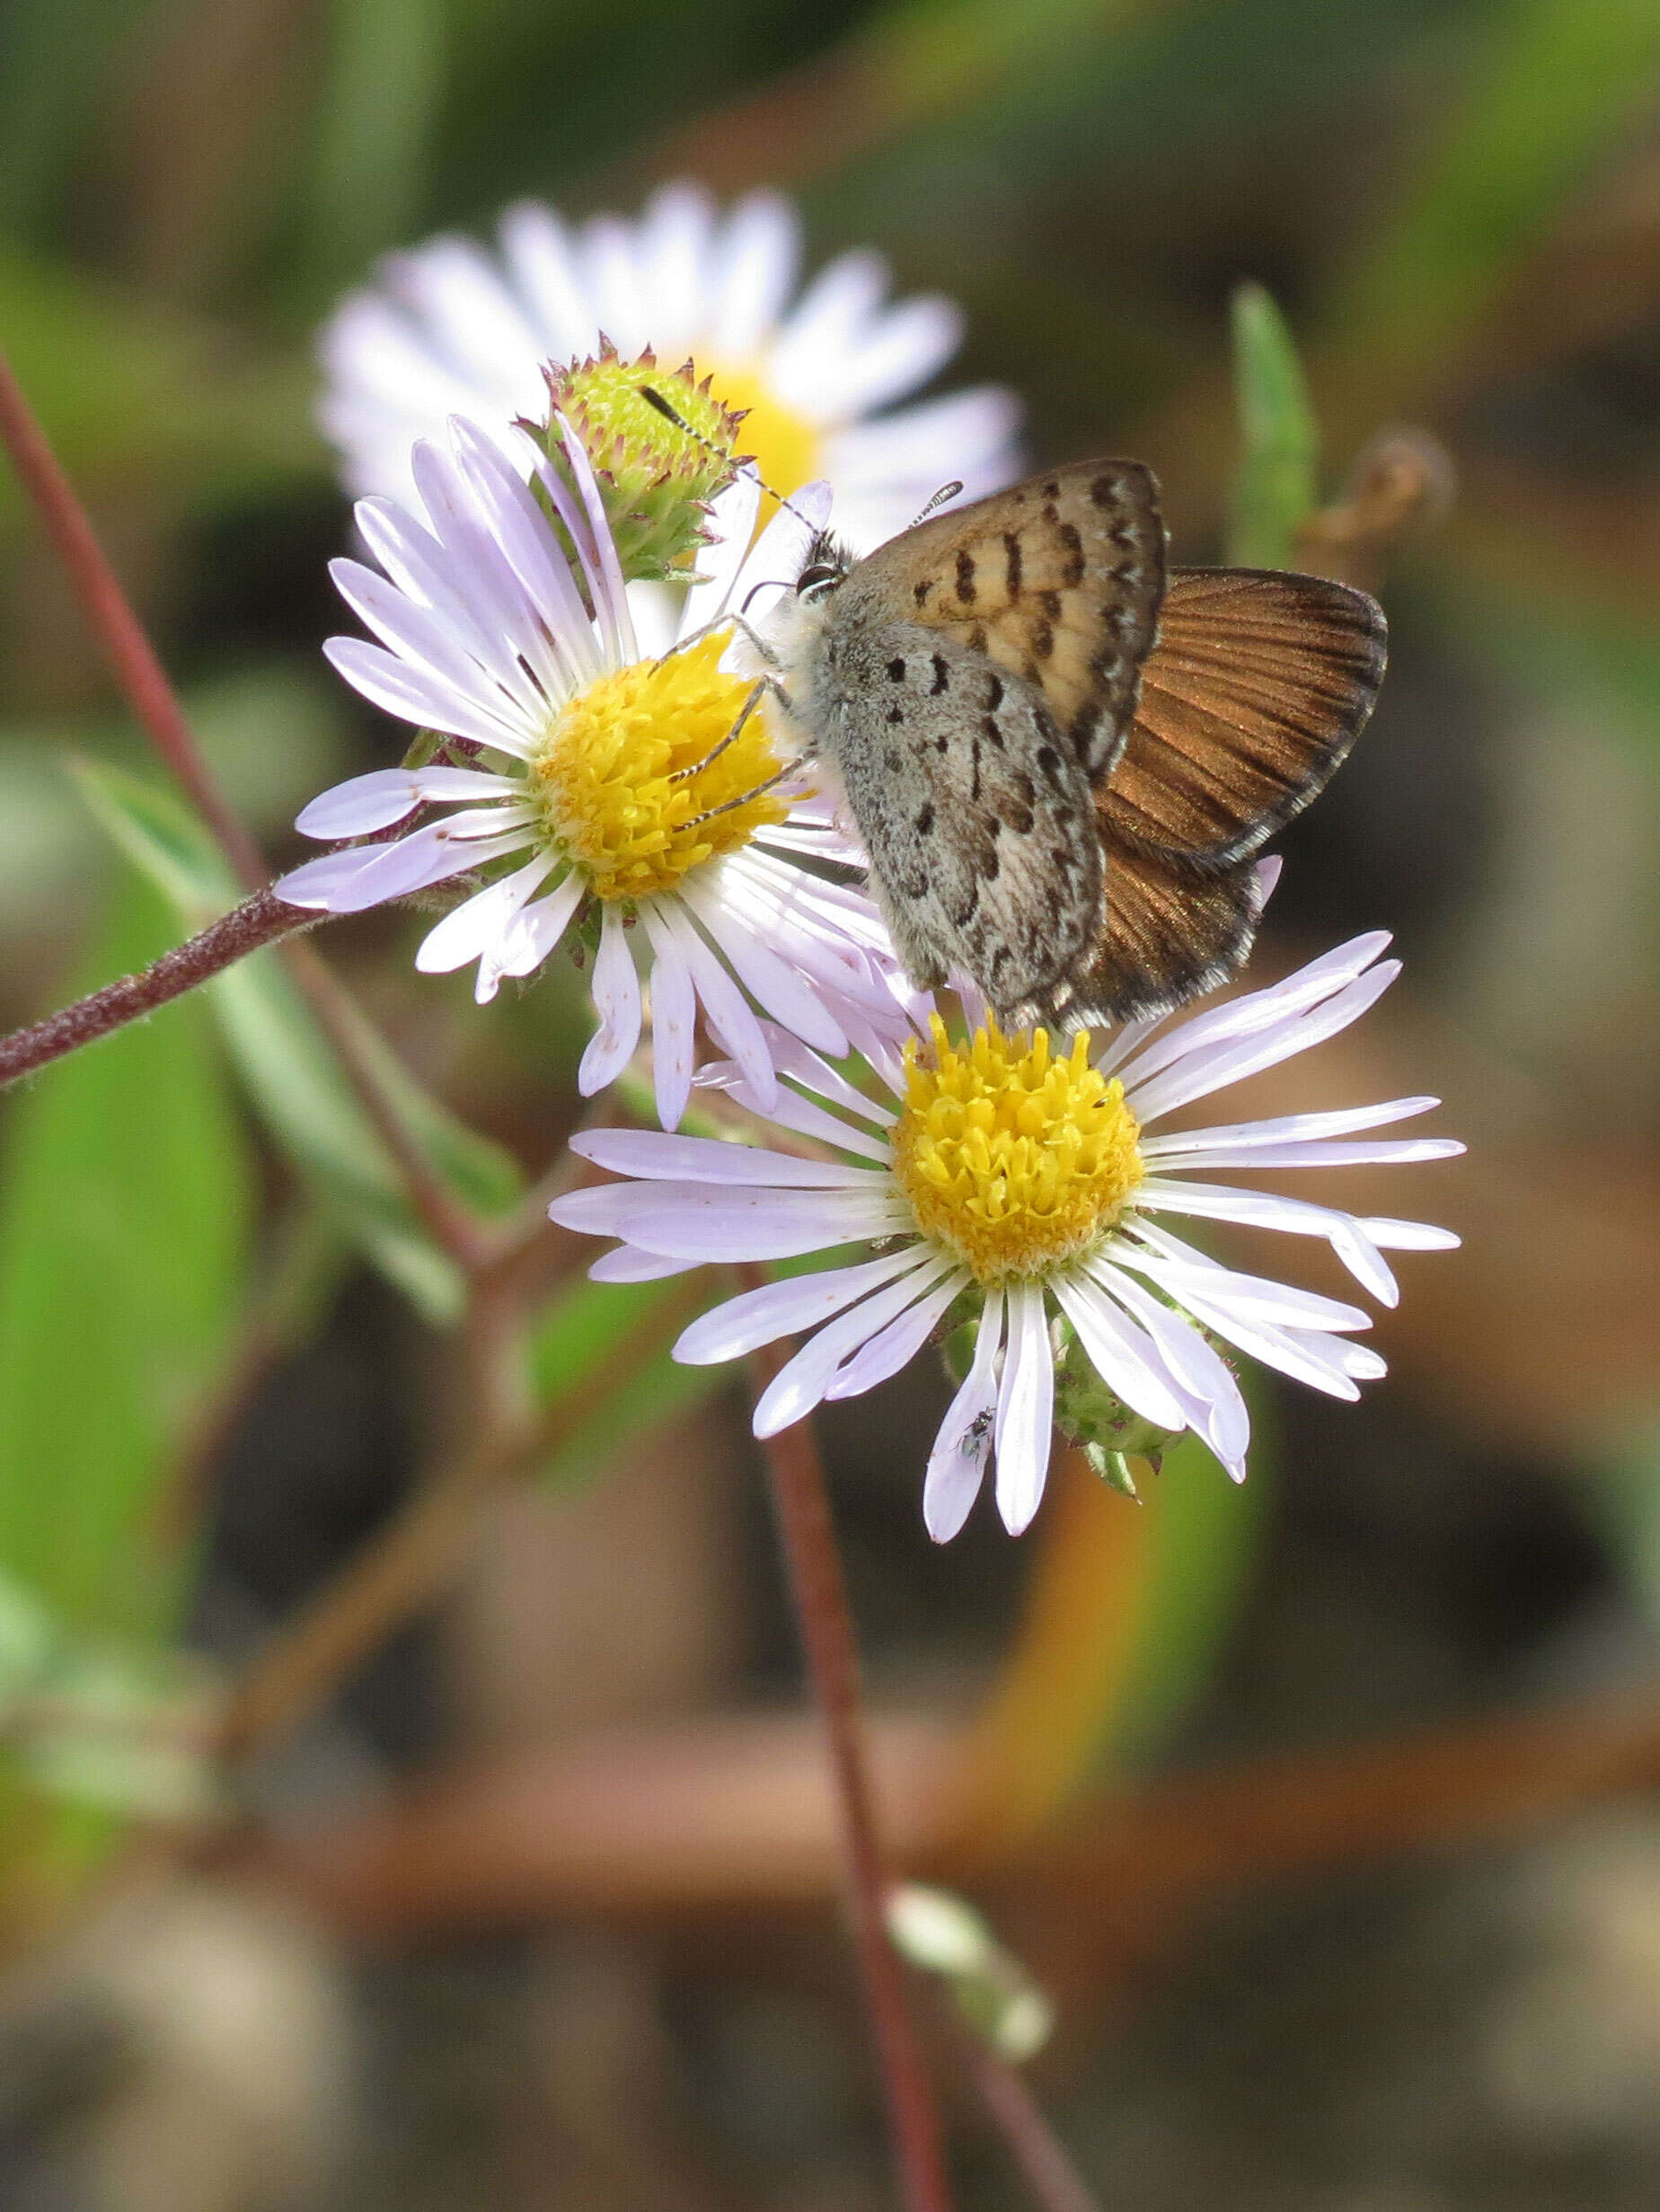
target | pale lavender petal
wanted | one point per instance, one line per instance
(611, 273)
(1217, 1411)
(780, 553)
(625, 1262)
(730, 1017)
(826, 321)
(610, 598)
(1345, 1121)
(789, 1110)
(364, 804)
(754, 1317)
(319, 882)
(695, 1221)
(898, 1344)
(802, 1380)
(1320, 1361)
(414, 863)
(1282, 1302)
(538, 929)
(428, 638)
(956, 1465)
(1119, 1351)
(771, 982)
(1203, 1073)
(732, 521)
(1025, 1410)
(470, 929)
(673, 1023)
(756, 261)
(675, 228)
(415, 697)
(660, 1157)
(1409, 1235)
(616, 997)
(1398, 1152)
(556, 638)
(1269, 869)
(539, 255)
(1268, 1210)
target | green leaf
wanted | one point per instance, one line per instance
(629, 1329)
(1562, 81)
(291, 1076)
(1275, 484)
(123, 1233)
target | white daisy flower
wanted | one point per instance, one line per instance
(612, 779)
(1031, 1185)
(450, 329)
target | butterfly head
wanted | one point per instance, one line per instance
(827, 565)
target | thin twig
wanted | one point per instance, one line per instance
(258, 920)
(116, 628)
(155, 702)
(815, 1566)
(1020, 2119)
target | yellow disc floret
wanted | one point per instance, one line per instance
(783, 446)
(1013, 1161)
(605, 778)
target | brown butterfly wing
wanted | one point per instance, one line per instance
(1168, 937)
(1258, 685)
(1056, 580)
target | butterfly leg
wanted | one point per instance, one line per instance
(744, 798)
(766, 684)
(757, 643)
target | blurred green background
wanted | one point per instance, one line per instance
(227, 1345)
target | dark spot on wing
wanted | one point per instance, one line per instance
(976, 638)
(1051, 489)
(1011, 551)
(922, 590)
(1069, 538)
(1106, 490)
(895, 714)
(1043, 641)
(924, 821)
(942, 745)
(991, 730)
(1049, 763)
(895, 672)
(974, 787)
(965, 913)
(895, 760)
(994, 693)
(965, 576)
(1050, 602)
(941, 676)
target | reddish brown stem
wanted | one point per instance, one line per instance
(1054, 2181)
(116, 627)
(814, 1565)
(152, 699)
(258, 920)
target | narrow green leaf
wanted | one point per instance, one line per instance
(1275, 484)
(384, 82)
(291, 1076)
(123, 1232)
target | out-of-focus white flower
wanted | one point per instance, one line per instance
(1029, 1185)
(450, 328)
(613, 778)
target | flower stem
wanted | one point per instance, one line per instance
(814, 1564)
(1033, 2144)
(258, 920)
(116, 628)
(152, 699)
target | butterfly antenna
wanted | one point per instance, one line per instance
(654, 398)
(945, 492)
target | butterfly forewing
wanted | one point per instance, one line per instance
(1259, 685)
(1057, 581)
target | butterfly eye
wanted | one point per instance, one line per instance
(816, 579)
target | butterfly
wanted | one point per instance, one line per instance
(1062, 756)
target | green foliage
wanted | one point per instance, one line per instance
(292, 1077)
(123, 1233)
(1276, 483)
(630, 1326)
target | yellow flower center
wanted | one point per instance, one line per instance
(785, 447)
(606, 778)
(1013, 1161)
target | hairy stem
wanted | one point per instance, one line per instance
(258, 920)
(808, 1538)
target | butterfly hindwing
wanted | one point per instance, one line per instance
(979, 825)
(1166, 939)
(1258, 685)
(1057, 581)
